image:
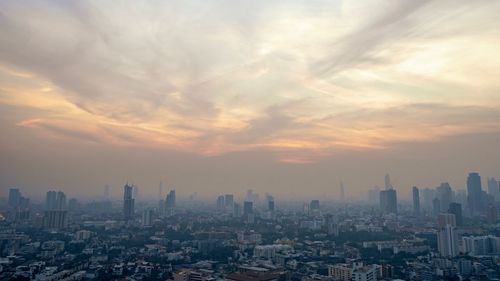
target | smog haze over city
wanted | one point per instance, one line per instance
(250, 140)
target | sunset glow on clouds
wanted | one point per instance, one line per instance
(300, 79)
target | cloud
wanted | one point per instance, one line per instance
(302, 80)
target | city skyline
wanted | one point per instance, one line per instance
(443, 191)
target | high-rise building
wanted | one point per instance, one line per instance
(388, 201)
(106, 192)
(170, 200)
(60, 201)
(342, 191)
(229, 201)
(314, 205)
(247, 208)
(493, 188)
(331, 226)
(445, 219)
(387, 182)
(270, 206)
(236, 210)
(55, 200)
(135, 190)
(220, 203)
(14, 197)
(416, 200)
(436, 206)
(447, 239)
(474, 194)
(147, 217)
(491, 214)
(50, 200)
(128, 202)
(461, 197)
(55, 219)
(160, 190)
(444, 193)
(428, 195)
(456, 209)
(480, 245)
(73, 204)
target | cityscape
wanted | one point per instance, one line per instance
(440, 234)
(250, 140)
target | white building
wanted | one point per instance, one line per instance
(481, 245)
(365, 273)
(447, 239)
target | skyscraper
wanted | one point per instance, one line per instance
(387, 181)
(342, 191)
(128, 202)
(170, 200)
(436, 206)
(135, 190)
(247, 208)
(106, 192)
(445, 219)
(314, 205)
(147, 217)
(444, 194)
(456, 209)
(491, 214)
(60, 200)
(14, 197)
(493, 188)
(447, 239)
(388, 201)
(55, 219)
(160, 190)
(55, 200)
(416, 200)
(50, 200)
(229, 201)
(270, 205)
(220, 203)
(474, 194)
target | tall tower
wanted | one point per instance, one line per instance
(342, 191)
(14, 197)
(493, 188)
(160, 190)
(387, 181)
(106, 192)
(444, 194)
(447, 241)
(50, 200)
(456, 209)
(474, 194)
(416, 200)
(55, 215)
(388, 201)
(128, 202)
(247, 208)
(170, 200)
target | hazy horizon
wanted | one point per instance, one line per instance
(285, 97)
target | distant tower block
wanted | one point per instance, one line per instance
(106, 191)
(342, 191)
(388, 184)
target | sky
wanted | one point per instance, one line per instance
(286, 97)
